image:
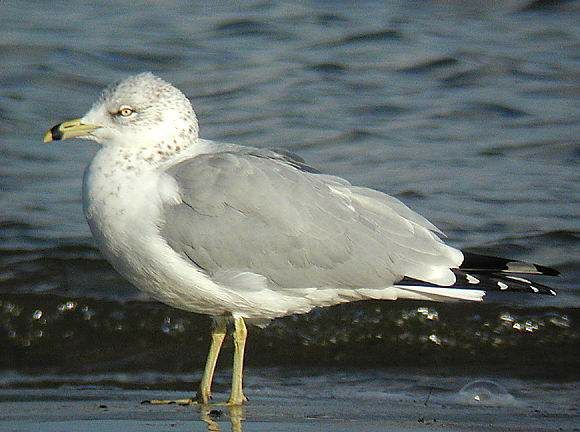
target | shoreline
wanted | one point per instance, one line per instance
(291, 401)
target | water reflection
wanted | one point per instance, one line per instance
(211, 416)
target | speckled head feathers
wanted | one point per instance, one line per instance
(142, 109)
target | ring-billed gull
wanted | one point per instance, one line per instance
(248, 234)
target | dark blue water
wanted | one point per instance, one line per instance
(467, 111)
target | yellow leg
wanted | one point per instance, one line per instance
(217, 337)
(240, 333)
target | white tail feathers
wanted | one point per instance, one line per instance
(438, 293)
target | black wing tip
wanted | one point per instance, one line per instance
(502, 283)
(547, 271)
(487, 263)
(488, 282)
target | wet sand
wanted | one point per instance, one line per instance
(338, 401)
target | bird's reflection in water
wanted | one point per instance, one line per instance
(211, 417)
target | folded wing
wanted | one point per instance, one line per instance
(269, 214)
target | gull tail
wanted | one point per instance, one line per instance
(479, 274)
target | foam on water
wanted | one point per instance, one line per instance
(483, 392)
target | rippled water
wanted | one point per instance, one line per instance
(467, 111)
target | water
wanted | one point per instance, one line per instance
(50, 333)
(466, 111)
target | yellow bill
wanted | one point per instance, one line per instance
(68, 129)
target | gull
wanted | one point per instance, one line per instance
(246, 234)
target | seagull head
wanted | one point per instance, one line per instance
(140, 110)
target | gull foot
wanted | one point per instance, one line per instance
(237, 400)
(170, 402)
(202, 397)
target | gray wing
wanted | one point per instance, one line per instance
(269, 214)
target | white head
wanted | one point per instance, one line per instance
(142, 110)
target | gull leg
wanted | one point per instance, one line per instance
(240, 333)
(204, 393)
(217, 337)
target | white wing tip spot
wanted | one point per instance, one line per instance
(534, 289)
(519, 279)
(553, 292)
(471, 279)
(502, 286)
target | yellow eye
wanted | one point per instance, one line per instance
(125, 111)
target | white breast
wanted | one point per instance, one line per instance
(122, 207)
(123, 197)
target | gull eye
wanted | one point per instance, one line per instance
(125, 111)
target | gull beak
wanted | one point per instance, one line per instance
(69, 129)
